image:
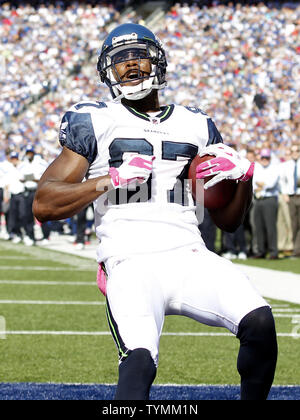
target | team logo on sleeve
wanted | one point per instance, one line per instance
(63, 129)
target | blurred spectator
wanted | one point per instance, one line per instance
(14, 191)
(5, 167)
(249, 225)
(31, 170)
(235, 244)
(266, 190)
(83, 223)
(284, 225)
(208, 231)
(80, 229)
(46, 230)
(290, 187)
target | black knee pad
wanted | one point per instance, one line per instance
(258, 353)
(136, 374)
(258, 325)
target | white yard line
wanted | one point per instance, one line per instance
(49, 302)
(272, 284)
(17, 257)
(287, 310)
(50, 282)
(45, 268)
(57, 332)
(56, 256)
(288, 313)
(176, 334)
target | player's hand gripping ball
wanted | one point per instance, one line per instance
(215, 197)
(220, 167)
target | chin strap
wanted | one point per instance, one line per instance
(135, 96)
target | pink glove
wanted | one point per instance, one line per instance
(227, 164)
(135, 168)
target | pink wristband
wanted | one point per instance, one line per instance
(249, 174)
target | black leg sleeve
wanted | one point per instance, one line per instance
(258, 353)
(136, 374)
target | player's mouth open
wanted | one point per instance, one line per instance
(134, 76)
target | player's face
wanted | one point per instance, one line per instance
(130, 64)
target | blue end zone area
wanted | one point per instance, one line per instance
(45, 391)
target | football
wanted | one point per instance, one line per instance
(215, 197)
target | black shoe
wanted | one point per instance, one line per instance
(258, 256)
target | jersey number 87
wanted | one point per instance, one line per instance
(170, 151)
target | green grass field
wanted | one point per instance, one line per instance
(46, 297)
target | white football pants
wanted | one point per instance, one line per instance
(189, 281)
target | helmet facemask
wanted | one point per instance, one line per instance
(133, 51)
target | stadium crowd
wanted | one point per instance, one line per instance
(239, 63)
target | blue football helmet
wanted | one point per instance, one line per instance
(127, 42)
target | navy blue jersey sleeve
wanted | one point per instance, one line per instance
(213, 134)
(77, 134)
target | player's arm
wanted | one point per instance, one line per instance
(231, 217)
(228, 164)
(61, 192)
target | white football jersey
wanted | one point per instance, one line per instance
(157, 215)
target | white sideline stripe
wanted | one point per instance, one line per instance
(44, 282)
(44, 268)
(50, 302)
(58, 332)
(161, 385)
(287, 310)
(192, 334)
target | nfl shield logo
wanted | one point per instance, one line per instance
(155, 120)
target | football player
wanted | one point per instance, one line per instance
(130, 157)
